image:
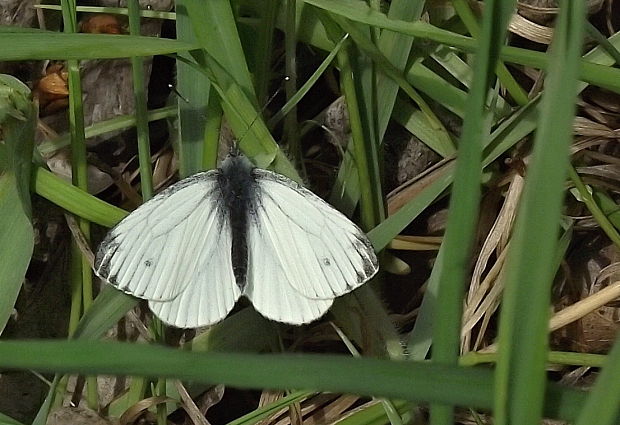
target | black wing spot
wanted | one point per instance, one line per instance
(148, 263)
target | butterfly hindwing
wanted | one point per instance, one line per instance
(272, 295)
(320, 252)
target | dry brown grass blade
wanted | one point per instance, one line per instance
(415, 243)
(332, 412)
(585, 306)
(323, 409)
(480, 302)
(530, 30)
(577, 310)
(194, 413)
(80, 240)
(407, 191)
(132, 414)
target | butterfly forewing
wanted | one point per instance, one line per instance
(154, 252)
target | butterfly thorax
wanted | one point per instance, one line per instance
(238, 188)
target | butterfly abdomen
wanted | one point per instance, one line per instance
(238, 191)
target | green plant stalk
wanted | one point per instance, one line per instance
(553, 357)
(79, 175)
(609, 207)
(594, 208)
(291, 132)
(370, 49)
(379, 328)
(369, 216)
(142, 125)
(146, 171)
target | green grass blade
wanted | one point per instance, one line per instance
(120, 122)
(46, 407)
(272, 408)
(383, 234)
(404, 380)
(107, 309)
(396, 49)
(608, 206)
(597, 213)
(507, 80)
(263, 47)
(358, 11)
(360, 99)
(216, 30)
(27, 46)
(375, 415)
(464, 202)
(144, 13)
(16, 244)
(223, 57)
(18, 120)
(416, 381)
(603, 403)
(75, 200)
(7, 420)
(81, 273)
(308, 84)
(525, 309)
(195, 96)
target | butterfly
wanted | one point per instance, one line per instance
(195, 248)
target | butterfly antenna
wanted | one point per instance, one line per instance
(175, 91)
(264, 107)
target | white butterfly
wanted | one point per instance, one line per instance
(196, 247)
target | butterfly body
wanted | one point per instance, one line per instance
(238, 191)
(200, 244)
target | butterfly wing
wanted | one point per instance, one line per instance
(313, 248)
(174, 248)
(213, 291)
